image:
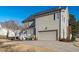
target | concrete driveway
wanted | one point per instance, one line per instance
(57, 45)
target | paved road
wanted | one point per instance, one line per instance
(57, 45)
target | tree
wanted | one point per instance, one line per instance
(72, 23)
(12, 25)
(77, 26)
(72, 19)
(73, 32)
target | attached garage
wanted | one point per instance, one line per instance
(48, 35)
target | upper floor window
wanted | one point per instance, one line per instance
(64, 20)
(58, 15)
(54, 16)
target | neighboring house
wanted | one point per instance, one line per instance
(51, 24)
(9, 29)
(3, 32)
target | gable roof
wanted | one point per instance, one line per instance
(46, 12)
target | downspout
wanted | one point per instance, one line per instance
(68, 36)
(35, 29)
(60, 27)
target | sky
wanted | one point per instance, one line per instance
(19, 13)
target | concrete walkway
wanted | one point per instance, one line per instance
(57, 45)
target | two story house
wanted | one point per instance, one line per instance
(50, 24)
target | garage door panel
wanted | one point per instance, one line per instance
(48, 35)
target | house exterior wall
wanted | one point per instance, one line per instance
(30, 27)
(30, 31)
(3, 31)
(11, 33)
(64, 23)
(47, 23)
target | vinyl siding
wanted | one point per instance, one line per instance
(46, 23)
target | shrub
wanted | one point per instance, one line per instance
(73, 38)
(73, 32)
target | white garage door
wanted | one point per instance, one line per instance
(47, 35)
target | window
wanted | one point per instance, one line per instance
(54, 16)
(64, 19)
(58, 15)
